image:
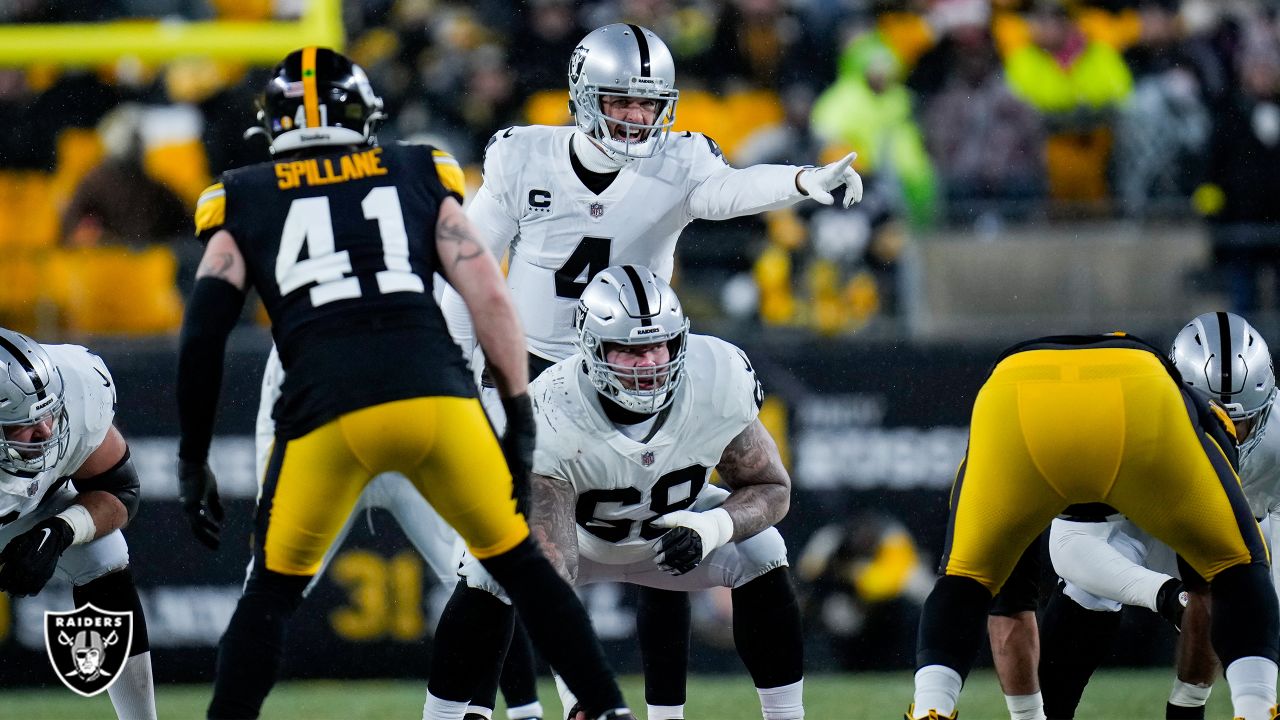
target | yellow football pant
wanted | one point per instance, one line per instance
(444, 445)
(1052, 428)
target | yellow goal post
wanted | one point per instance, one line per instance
(160, 41)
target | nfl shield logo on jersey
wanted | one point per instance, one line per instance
(597, 210)
(646, 458)
(88, 646)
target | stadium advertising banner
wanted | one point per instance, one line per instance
(873, 436)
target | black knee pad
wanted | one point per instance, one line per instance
(1246, 621)
(116, 592)
(953, 623)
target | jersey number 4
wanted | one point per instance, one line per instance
(616, 530)
(590, 257)
(309, 223)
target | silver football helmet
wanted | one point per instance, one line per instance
(622, 60)
(629, 305)
(1221, 355)
(31, 392)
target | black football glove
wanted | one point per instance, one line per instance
(679, 550)
(517, 446)
(199, 492)
(1171, 601)
(28, 561)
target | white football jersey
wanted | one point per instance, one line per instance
(561, 234)
(1260, 471)
(622, 484)
(89, 397)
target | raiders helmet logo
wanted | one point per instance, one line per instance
(88, 647)
(575, 64)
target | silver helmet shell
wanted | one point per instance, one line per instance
(629, 305)
(623, 60)
(1223, 356)
(31, 391)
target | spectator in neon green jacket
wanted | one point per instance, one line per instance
(1061, 71)
(869, 109)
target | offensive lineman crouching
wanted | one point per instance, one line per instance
(630, 428)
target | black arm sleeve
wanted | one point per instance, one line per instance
(212, 312)
(121, 481)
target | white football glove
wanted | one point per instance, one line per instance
(818, 183)
(694, 535)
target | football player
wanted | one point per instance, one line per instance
(631, 427)
(1105, 561)
(616, 187)
(57, 403)
(1098, 419)
(340, 238)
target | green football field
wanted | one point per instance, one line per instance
(1113, 695)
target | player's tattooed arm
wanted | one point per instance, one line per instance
(552, 523)
(458, 241)
(222, 260)
(761, 488)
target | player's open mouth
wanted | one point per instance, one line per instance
(629, 136)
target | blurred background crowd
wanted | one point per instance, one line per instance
(973, 119)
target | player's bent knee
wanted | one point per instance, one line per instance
(476, 577)
(1088, 600)
(758, 555)
(82, 564)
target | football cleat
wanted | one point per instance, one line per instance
(933, 714)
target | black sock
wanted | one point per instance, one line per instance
(116, 592)
(557, 624)
(519, 680)
(953, 623)
(467, 650)
(1245, 619)
(766, 629)
(662, 628)
(1182, 712)
(1073, 641)
(252, 647)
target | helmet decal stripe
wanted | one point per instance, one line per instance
(642, 297)
(644, 49)
(26, 365)
(310, 98)
(1227, 360)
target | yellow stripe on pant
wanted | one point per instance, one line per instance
(1055, 427)
(444, 445)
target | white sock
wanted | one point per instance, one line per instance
(1188, 695)
(567, 698)
(438, 709)
(1025, 707)
(1253, 687)
(665, 712)
(482, 711)
(133, 694)
(785, 702)
(937, 688)
(522, 712)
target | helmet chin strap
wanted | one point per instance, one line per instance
(592, 156)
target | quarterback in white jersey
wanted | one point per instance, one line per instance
(616, 188)
(67, 486)
(1107, 563)
(630, 428)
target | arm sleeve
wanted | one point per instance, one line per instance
(211, 314)
(732, 192)
(121, 481)
(1082, 554)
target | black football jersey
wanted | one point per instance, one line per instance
(341, 249)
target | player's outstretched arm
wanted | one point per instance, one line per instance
(551, 523)
(1081, 554)
(472, 270)
(730, 192)
(761, 487)
(212, 312)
